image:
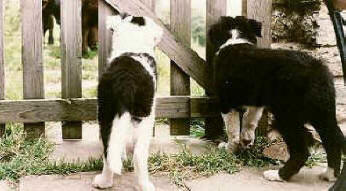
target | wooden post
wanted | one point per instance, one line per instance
(215, 9)
(262, 12)
(71, 54)
(180, 81)
(105, 36)
(2, 63)
(32, 58)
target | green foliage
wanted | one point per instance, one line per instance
(198, 30)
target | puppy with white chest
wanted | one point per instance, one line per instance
(126, 98)
(297, 88)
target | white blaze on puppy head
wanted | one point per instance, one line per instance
(133, 34)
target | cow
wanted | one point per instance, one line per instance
(51, 8)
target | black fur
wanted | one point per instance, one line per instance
(138, 20)
(294, 86)
(126, 86)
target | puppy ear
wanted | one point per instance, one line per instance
(256, 27)
(113, 21)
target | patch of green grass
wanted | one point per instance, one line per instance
(20, 157)
(197, 128)
(185, 165)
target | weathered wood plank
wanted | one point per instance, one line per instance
(261, 11)
(215, 9)
(71, 54)
(85, 109)
(32, 33)
(150, 4)
(2, 62)
(180, 81)
(105, 36)
(183, 56)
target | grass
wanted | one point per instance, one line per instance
(20, 157)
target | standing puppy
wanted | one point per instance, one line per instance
(126, 98)
(294, 86)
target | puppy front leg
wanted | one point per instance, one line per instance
(249, 125)
(232, 124)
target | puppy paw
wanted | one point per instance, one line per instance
(222, 145)
(231, 147)
(148, 186)
(328, 175)
(272, 175)
(102, 182)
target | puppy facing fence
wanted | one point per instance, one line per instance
(294, 86)
(126, 98)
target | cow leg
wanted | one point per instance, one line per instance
(85, 34)
(51, 29)
(93, 38)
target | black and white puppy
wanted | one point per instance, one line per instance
(294, 86)
(126, 97)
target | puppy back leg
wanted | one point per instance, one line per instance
(293, 134)
(117, 143)
(249, 125)
(232, 123)
(141, 152)
(105, 179)
(332, 140)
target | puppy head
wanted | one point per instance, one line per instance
(128, 29)
(247, 29)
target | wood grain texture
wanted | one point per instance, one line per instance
(77, 109)
(2, 62)
(180, 81)
(261, 11)
(150, 4)
(215, 9)
(183, 56)
(33, 83)
(71, 54)
(105, 36)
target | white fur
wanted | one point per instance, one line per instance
(143, 134)
(328, 175)
(234, 40)
(104, 180)
(250, 122)
(232, 124)
(272, 175)
(128, 37)
(117, 143)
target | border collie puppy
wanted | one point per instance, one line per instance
(126, 98)
(294, 86)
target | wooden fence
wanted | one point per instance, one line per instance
(34, 110)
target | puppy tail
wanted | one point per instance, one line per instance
(117, 142)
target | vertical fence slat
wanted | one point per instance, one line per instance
(2, 63)
(105, 36)
(215, 9)
(180, 81)
(32, 33)
(261, 11)
(71, 54)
